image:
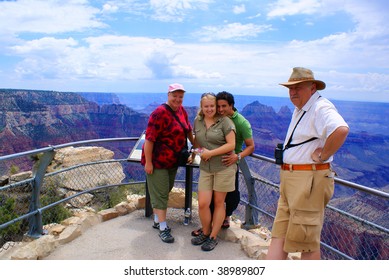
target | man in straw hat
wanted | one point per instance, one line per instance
(315, 134)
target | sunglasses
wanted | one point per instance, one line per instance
(207, 93)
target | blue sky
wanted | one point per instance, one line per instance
(244, 47)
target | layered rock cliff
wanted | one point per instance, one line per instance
(31, 119)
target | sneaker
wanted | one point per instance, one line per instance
(209, 244)
(166, 236)
(156, 226)
(198, 240)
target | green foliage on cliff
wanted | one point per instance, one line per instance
(57, 213)
(8, 213)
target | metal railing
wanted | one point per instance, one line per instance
(356, 224)
(356, 219)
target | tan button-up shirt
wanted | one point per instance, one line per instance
(212, 138)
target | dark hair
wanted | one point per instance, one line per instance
(224, 95)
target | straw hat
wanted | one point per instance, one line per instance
(300, 75)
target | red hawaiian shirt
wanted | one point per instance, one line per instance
(168, 136)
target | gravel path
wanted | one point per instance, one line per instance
(131, 237)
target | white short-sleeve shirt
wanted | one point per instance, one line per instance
(320, 120)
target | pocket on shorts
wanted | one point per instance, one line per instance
(304, 226)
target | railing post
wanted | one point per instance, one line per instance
(39, 171)
(251, 217)
(148, 207)
(188, 194)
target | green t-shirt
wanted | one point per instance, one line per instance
(243, 130)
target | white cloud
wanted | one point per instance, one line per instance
(239, 9)
(159, 10)
(231, 31)
(255, 16)
(176, 10)
(104, 58)
(47, 44)
(110, 8)
(370, 17)
(47, 16)
(107, 61)
(291, 7)
(164, 67)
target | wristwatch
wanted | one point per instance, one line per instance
(239, 158)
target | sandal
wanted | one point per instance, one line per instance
(197, 232)
(226, 223)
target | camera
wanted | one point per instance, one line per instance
(278, 153)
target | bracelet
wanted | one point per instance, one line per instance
(239, 158)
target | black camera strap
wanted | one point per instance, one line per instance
(288, 145)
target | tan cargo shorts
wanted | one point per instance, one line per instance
(300, 211)
(221, 181)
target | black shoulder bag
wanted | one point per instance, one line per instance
(279, 151)
(183, 155)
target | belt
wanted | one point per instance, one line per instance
(306, 167)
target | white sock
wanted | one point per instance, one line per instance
(156, 218)
(162, 226)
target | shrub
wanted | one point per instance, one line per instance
(109, 197)
(57, 213)
(14, 169)
(8, 213)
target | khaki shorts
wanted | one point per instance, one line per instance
(160, 183)
(221, 181)
(300, 211)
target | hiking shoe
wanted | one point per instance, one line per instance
(198, 240)
(156, 226)
(209, 244)
(166, 236)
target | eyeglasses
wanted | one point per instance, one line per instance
(208, 93)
